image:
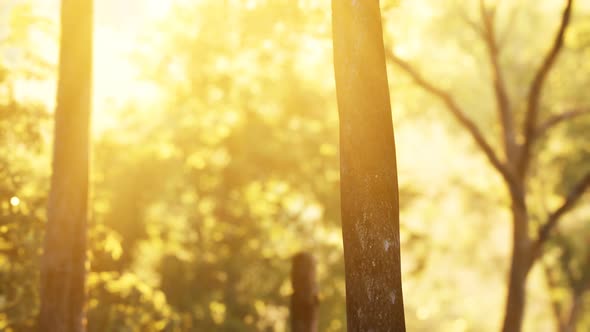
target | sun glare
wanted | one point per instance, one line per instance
(14, 201)
(115, 81)
(113, 78)
(158, 8)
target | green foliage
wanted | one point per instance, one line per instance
(23, 170)
(122, 302)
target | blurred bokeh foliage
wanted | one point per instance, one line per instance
(215, 159)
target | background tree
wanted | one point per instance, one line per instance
(368, 170)
(63, 268)
(518, 148)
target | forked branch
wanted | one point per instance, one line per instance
(461, 117)
(571, 199)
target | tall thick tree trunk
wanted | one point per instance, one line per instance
(369, 189)
(519, 268)
(64, 257)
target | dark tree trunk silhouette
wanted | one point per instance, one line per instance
(64, 257)
(369, 189)
(304, 301)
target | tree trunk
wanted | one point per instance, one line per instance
(519, 267)
(572, 319)
(64, 257)
(369, 192)
(304, 301)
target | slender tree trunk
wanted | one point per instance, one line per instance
(572, 319)
(304, 301)
(519, 267)
(64, 257)
(369, 189)
(555, 303)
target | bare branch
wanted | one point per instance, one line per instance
(534, 94)
(502, 100)
(557, 119)
(571, 199)
(462, 118)
(471, 23)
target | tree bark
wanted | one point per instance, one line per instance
(369, 189)
(63, 263)
(519, 267)
(304, 301)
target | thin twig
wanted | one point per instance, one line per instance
(508, 27)
(470, 22)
